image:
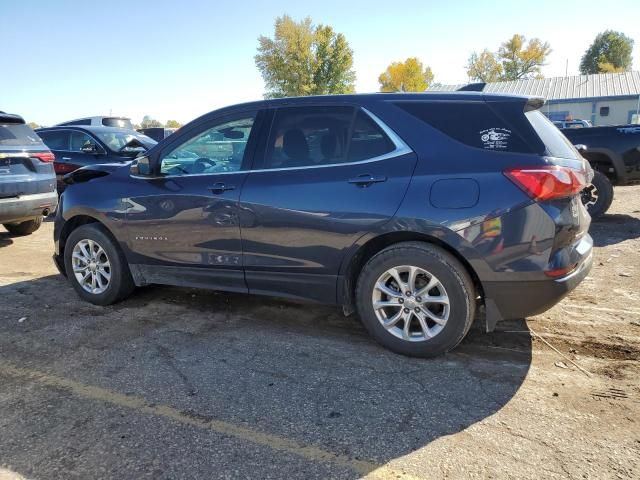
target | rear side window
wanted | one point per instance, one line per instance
(86, 121)
(117, 122)
(308, 136)
(56, 140)
(555, 142)
(12, 135)
(473, 123)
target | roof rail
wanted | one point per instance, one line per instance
(472, 87)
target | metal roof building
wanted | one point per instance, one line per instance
(604, 98)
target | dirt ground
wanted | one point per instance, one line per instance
(178, 383)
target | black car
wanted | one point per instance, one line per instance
(157, 133)
(614, 154)
(76, 147)
(413, 209)
(27, 182)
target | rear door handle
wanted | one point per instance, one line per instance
(221, 187)
(367, 179)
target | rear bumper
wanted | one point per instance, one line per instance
(26, 207)
(520, 299)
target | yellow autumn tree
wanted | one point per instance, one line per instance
(408, 76)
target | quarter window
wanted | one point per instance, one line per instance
(216, 150)
(368, 140)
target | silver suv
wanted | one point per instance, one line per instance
(27, 180)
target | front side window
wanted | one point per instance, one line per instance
(56, 140)
(79, 139)
(218, 149)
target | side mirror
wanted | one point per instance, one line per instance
(90, 148)
(581, 147)
(141, 167)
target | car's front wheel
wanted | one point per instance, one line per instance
(96, 267)
(416, 299)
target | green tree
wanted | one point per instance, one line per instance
(173, 124)
(520, 60)
(148, 122)
(484, 67)
(305, 59)
(408, 76)
(609, 52)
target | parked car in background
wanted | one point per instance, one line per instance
(414, 209)
(100, 121)
(27, 181)
(614, 154)
(76, 147)
(157, 133)
(577, 123)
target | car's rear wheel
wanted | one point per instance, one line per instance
(24, 228)
(416, 299)
(96, 267)
(597, 196)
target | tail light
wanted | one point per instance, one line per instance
(47, 157)
(548, 183)
(62, 168)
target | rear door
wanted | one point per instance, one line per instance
(25, 162)
(325, 175)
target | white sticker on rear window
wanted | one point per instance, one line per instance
(495, 138)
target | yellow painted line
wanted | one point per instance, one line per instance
(274, 442)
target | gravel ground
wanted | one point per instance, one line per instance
(179, 383)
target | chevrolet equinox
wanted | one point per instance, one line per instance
(418, 211)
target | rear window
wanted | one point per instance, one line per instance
(18, 136)
(473, 123)
(117, 122)
(555, 142)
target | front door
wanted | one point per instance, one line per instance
(327, 176)
(183, 226)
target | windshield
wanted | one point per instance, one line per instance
(18, 135)
(116, 140)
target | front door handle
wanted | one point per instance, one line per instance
(366, 179)
(221, 187)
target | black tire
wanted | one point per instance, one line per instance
(120, 284)
(24, 228)
(598, 196)
(452, 275)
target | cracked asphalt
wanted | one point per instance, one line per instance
(181, 383)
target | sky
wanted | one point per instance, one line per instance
(177, 60)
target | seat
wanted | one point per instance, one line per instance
(328, 147)
(295, 147)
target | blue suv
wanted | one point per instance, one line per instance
(415, 210)
(27, 182)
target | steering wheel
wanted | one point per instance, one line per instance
(200, 165)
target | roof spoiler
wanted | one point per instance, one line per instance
(472, 87)
(11, 118)
(533, 103)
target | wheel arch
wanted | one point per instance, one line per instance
(602, 159)
(75, 222)
(353, 266)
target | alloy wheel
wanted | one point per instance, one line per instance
(91, 266)
(589, 195)
(410, 303)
